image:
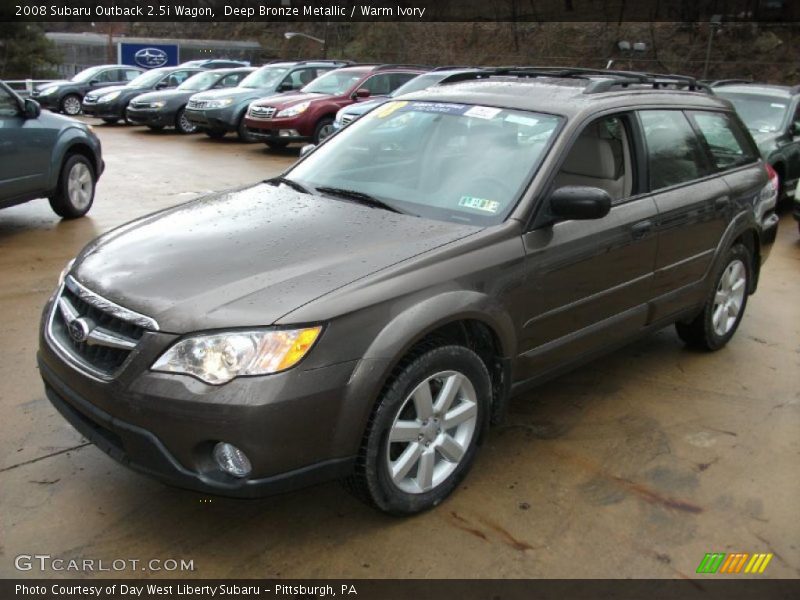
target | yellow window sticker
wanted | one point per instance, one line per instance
(387, 109)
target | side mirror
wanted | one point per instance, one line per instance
(94, 82)
(31, 109)
(286, 86)
(306, 149)
(579, 202)
(362, 93)
(162, 85)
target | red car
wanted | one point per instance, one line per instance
(308, 115)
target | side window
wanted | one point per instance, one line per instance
(130, 75)
(8, 104)
(399, 79)
(674, 154)
(229, 81)
(727, 143)
(601, 158)
(301, 77)
(379, 85)
(177, 78)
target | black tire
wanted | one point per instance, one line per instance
(111, 121)
(215, 134)
(68, 105)
(324, 125)
(276, 145)
(125, 118)
(371, 480)
(182, 125)
(700, 332)
(155, 127)
(241, 131)
(65, 204)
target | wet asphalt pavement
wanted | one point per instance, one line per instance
(634, 466)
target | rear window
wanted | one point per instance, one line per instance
(674, 154)
(727, 143)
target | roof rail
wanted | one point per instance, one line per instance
(599, 80)
(402, 66)
(722, 82)
(453, 67)
(322, 60)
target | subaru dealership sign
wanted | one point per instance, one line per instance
(148, 56)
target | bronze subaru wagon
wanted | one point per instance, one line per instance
(366, 315)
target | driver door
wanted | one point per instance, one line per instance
(588, 282)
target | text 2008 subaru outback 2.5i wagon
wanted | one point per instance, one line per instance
(367, 315)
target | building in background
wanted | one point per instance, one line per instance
(81, 50)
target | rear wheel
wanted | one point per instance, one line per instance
(323, 130)
(424, 433)
(76, 186)
(723, 311)
(71, 105)
(184, 125)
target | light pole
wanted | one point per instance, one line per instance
(292, 34)
(714, 25)
(628, 49)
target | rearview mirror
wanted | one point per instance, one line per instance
(306, 149)
(31, 109)
(579, 202)
(362, 93)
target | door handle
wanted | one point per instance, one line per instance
(641, 229)
(722, 202)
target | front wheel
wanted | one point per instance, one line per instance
(424, 433)
(323, 130)
(184, 125)
(76, 185)
(110, 121)
(242, 133)
(723, 311)
(71, 105)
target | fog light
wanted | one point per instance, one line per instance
(288, 133)
(232, 460)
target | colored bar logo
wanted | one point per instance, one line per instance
(733, 564)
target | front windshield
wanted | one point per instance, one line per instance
(334, 83)
(267, 77)
(200, 82)
(452, 162)
(86, 74)
(147, 78)
(761, 113)
(420, 82)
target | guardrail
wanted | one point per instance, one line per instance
(25, 87)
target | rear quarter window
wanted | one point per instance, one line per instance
(727, 142)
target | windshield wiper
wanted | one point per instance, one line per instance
(359, 197)
(291, 183)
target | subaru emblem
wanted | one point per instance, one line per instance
(151, 58)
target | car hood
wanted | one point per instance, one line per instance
(237, 92)
(290, 99)
(58, 83)
(107, 90)
(165, 95)
(248, 257)
(360, 108)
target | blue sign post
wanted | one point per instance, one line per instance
(148, 56)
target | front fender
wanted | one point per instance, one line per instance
(69, 137)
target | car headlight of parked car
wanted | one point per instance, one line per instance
(218, 358)
(294, 110)
(220, 103)
(157, 105)
(109, 97)
(47, 91)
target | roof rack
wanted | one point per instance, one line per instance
(402, 66)
(453, 67)
(322, 60)
(600, 80)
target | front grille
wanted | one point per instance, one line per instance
(135, 104)
(197, 104)
(262, 112)
(93, 332)
(89, 100)
(347, 119)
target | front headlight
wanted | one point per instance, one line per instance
(64, 272)
(294, 110)
(47, 91)
(221, 103)
(157, 105)
(218, 358)
(109, 97)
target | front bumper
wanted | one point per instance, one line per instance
(150, 116)
(50, 101)
(269, 130)
(216, 119)
(291, 425)
(767, 234)
(103, 110)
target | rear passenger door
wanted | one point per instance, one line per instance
(589, 282)
(694, 206)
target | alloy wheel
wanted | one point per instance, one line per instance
(79, 186)
(729, 297)
(432, 431)
(72, 105)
